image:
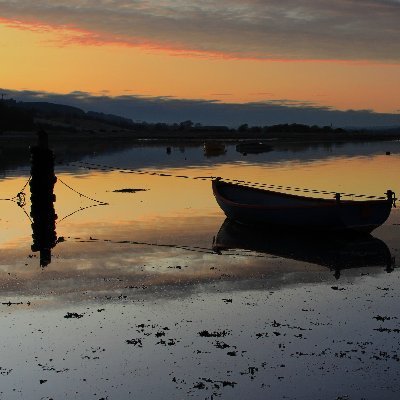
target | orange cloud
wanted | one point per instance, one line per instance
(276, 30)
(69, 35)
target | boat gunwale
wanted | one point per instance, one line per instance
(321, 201)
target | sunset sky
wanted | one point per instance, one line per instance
(315, 54)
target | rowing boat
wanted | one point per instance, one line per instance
(261, 207)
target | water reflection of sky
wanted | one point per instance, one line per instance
(172, 211)
(192, 155)
(147, 259)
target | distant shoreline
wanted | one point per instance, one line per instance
(201, 137)
(70, 147)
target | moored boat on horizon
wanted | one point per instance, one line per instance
(260, 207)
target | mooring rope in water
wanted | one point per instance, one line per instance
(103, 167)
(98, 202)
(196, 249)
(81, 194)
(79, 210)
(26, 184)
(9, 199)
(20, 199)
(29, 217)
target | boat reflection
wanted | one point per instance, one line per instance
(213, 148)
(335, 251)
(253, 148)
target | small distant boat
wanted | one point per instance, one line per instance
(253, 147)
(337, 252)
(261, 207)
(214, 148)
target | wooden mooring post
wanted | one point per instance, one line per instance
(42, 199)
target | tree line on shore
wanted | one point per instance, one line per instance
(22, 116)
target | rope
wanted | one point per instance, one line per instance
(103, 167)
(19, 198)
(81, 194)
(30, 219)
(196, 249)
(80, 209)
(26, 184)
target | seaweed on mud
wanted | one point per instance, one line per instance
(73, 315)
(206, 333)
(136, 342)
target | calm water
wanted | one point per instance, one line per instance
(168, 301)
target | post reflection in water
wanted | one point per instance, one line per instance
(42, 199)
(336, 251)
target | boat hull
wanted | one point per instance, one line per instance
(258, 207)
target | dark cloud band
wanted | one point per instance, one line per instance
(264, 29)
(171, 110)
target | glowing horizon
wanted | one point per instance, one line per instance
(91, 47)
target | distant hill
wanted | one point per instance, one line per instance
(29, 116)
(50, 109)
(15, 118)
(111, 118)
